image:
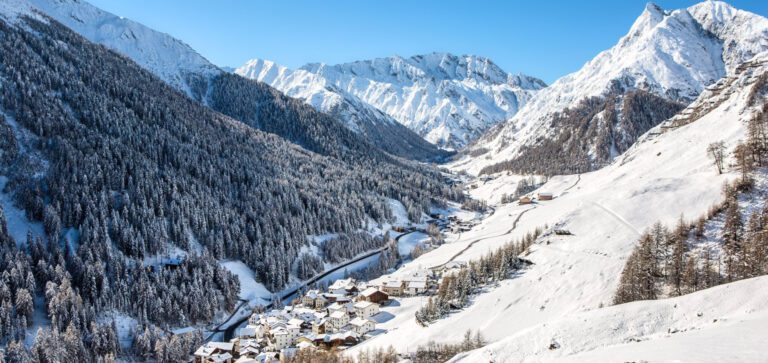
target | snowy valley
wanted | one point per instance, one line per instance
(157, 207)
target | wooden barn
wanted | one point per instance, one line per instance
(545, 196)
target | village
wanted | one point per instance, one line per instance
(341, 316)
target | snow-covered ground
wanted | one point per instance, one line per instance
(406, 244)
(250, 289)
(689, 328)
(125, 325)
(16, 219)
(664, 175)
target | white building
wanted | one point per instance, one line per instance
(361, 326)
(254, 319)
(281, 338)
(415, 287)
(294, 331)
(252, 331)
(343, 287)
(366, 309)
(393, 287)
(337, 320)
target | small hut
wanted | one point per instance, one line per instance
(545, 196)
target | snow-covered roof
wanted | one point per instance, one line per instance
(417, 284)
(394, 283)
(363, 304)
(249, 330)
(216, 358)
(342, 284)
(358, 321)
(369, 291)
(419, 278)
(336, 306)
(304, 345)
(338, 314)
(210, 348)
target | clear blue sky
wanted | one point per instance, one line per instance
(546, 39)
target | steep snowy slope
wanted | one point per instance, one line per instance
(666, 174)
(167, 57)
(587, 118)
(377, 127)
(447, 99)
(722, 324)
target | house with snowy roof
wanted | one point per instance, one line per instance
(314, 299)
(366, 309)
(214, 352)
(415, 287)
(337, 320)
(373, 295)
(343, 287)
(252, 331)
(361, 326)
(281, 338)
(393, 287)
(319, 327)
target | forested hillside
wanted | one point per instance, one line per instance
(93, 142)
(591, 133)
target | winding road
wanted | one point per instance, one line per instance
(514, 225)
(578, 179)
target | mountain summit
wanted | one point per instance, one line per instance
(586, 118)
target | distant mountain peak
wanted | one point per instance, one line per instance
(446, 98)
(670, 57)
(167, 57)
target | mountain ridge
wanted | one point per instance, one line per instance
(669, 55)
(446, 99)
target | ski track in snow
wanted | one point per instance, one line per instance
(618, 217)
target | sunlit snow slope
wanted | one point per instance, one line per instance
(665, 175)
(165, 56)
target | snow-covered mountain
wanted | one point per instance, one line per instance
(378, 128)
(585, 119)
(447, 99)
(168, 58)
(183, 68)
(560, 308)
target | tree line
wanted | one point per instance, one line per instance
(673, 262)
(591, 133)
(456, 289)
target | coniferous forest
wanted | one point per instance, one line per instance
(92, 142)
